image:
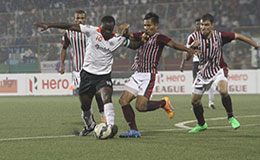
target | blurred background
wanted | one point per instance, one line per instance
(23, 49)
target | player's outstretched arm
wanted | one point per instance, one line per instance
(60, 25)
(181, 47)
(182, 62)
(62, 61)
(246, 40)
(132, 43)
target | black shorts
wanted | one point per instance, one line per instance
(90, 83)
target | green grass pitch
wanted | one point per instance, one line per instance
(41, 128)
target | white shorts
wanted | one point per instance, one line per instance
(76, 79)
(141, 84)
(200, 85)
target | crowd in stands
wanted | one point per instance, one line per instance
(176, 20)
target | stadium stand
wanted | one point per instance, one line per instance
(21, 43)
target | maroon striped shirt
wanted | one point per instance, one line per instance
(148, 55)
(211, 59)
(78, 42)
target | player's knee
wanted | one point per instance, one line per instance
(195, 101)
(140, 108)
(122, 101)
(222, 91)
(106, 98)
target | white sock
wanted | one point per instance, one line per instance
(87, 118)
(211, 95)
(109, 113)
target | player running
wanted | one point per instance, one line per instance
(78, 41)
(96, 71)
(195, 60)
(142, 81)
(213, 68)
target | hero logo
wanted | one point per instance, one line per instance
(48, 84)
(33, 84)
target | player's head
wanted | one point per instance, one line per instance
(151, 23)
(107, 26)
(206, 24)
(80, 17)
(197, 24)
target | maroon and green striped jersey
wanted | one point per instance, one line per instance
(148, 55)
(78, 42)
(211, 59)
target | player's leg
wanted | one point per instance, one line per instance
(145, 83)
(227, 103)
(197, 93)
(86, 93)
(129, 93)
(211, 97)
(100, 107)
(87, 114)
(143, 104)
(127, 109)
(104, 87)
(129, 115)
(106, 95)
(198, 112)
(76, 82)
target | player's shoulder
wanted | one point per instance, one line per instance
(160, 35)
(195, 33)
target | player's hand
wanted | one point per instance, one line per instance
(62, 69)
(43, 26)
(195, 43)
(145, 37)
(257, 46)
(123, 29)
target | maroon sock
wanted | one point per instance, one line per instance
(129, 115)
(153, 105)
(198, 111)
(227, 103)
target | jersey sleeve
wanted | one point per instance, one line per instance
(162, 39)
(118, 42)
(65, 40)
(87, 28)
(189, 41)
(227, 37)
(138, 36)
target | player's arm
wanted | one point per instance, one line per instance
(62, 60)
(182, 62)
(134, 43)
(246, 40)
(60, 25)
(181, 47)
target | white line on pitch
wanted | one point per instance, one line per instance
(38, 137)
(182, 124)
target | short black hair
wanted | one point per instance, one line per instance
(108, 19)
(197, 20)
(80, 12)
(154, 17)
(208, 17)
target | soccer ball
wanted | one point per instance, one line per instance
(102, 131)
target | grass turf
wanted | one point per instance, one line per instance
(40, 117)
